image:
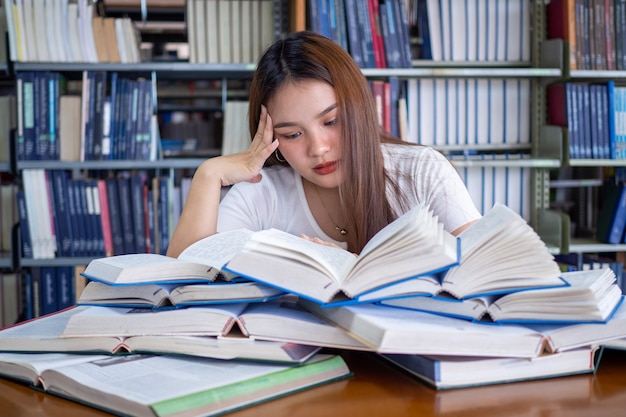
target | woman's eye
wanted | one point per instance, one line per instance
(292, 136)
(331, 122)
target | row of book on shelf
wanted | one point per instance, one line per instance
(223, 31)
(474, 112)
(594, 116)
(68, 31)
(374, 32)
(110, 117)
(485, 31)
(594, 30)
(61, 216)
(231, 304)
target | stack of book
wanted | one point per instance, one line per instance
(490, 306)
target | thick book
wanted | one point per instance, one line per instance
(415, 244)
(152, 385)
(175, 295)
(44, 334)
(392, 330)
(147, 268)
(451, 372)
(500, 254)
(272, 320)
(590, 296)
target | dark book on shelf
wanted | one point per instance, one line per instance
(612, 217)
(117, 232)
(62, 214)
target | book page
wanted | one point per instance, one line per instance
(29, 366)
(333, 261)
(218, 249)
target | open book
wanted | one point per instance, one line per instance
(448, 372)
(394, 330)
(414, 244)
(174, 295)
(44, 334)
(273, 320)
(500, 254)
(151, 385)
(590, 296)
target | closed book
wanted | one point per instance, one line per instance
(612, 216)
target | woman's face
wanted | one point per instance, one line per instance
(305, 118)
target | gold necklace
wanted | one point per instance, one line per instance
(342, 231)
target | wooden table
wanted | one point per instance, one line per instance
(378, 389)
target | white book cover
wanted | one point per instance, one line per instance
(471, 109)
(434, 25)
(471, 33)
(121, 41)
(452, 103)
(191, 31)
(492, 29)
(212, 32)
(525, 99)
(481, 25)
(73, 34)
(426, 113)
(24, 36)
(12, 26)
(440, 109)
(200, 30)
(235, 31)
(503, 20)
(413, 110)
(459, 39)
(445, 15)
(224, 23)
(496, 111)
(49, 22)
(32, 30)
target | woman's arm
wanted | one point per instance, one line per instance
(198, 218)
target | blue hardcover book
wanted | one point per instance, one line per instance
(27, 82)
(424, 29)
(612, 219)
(126, 214)
(66, 295)
(94, 215)
(164, 215)
(115, 217)
(402, 32)
(138, 210)
(62, 214)
(365, 34)
(593, 121)
(25, 237)
(54, 97)
(48, 290)
(143, 133)
(108, 119)
(354, 38)
(42, 116)
(610, 100)
(585, 111)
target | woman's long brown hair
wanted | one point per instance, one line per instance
(308, 56)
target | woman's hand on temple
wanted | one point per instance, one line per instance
(246, 166)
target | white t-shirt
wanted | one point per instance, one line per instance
(278, 200)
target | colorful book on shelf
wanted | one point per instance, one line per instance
(150, 385)
(451, 372)
(590, 296)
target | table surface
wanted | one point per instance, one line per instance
(378, 388)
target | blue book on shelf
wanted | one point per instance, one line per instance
(25, 238)
(48, 290)
(612, 218)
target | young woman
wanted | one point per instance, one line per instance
(319, 164)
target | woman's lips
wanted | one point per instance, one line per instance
(325, 168)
